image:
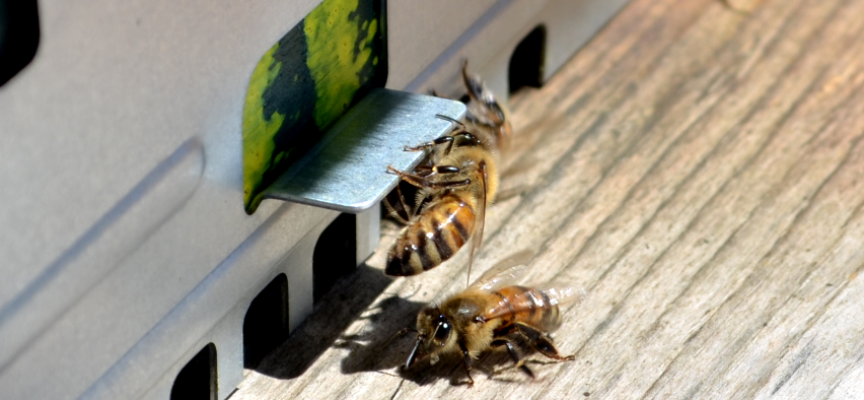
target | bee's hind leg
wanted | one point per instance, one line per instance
(395, 203)
(541, 342)
(519, 362)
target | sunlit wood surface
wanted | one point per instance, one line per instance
(698, 170)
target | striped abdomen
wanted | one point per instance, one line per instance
(442, 229)
(525, 305)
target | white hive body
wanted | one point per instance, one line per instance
(141, 255)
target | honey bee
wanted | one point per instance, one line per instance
(453, 188)
(493, 312)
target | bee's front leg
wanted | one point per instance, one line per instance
(448, 140)
(465, 138)
(467, 361)
(425, 182)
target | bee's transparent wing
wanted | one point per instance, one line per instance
(562, 295)
(480, 222)
(508, 271)
(543, 304)
(483, 105)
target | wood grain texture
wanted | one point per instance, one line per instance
(699, 171)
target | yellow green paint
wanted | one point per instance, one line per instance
(258, 129)
(331, 60)
(325, 60)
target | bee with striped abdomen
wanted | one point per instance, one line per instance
(493, 312)
(453, 188)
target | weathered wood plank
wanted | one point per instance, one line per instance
(699, 171)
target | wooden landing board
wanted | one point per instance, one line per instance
(698, 171)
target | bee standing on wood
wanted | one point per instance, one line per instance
(454, 187)
(493, 312)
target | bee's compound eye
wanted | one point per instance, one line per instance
(442, 333)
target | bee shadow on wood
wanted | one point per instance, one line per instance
(344, 303)
(381, 345)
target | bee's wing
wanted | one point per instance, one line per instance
(562, 295)
(483, 105)
(549, 299)
(480, 222)
(508, 271)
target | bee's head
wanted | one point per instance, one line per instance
(434, 334)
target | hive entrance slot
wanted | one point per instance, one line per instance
(335, 254)
(266, 322)
(19, 36)
(526, 63)
(197, 380)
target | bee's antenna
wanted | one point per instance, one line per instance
(413, 353)
(455, 121)
(446, 118)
